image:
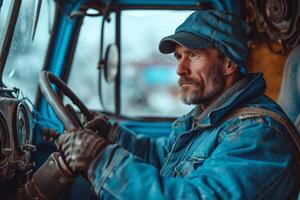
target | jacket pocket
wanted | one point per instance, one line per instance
(187, 166)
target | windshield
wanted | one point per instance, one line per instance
(25, 58)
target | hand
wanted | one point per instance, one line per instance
(100, 124)
(80, 148)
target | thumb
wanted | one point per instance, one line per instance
(96, 123)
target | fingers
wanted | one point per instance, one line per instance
(80, 147)
(97, 123)
(64, 140)
(94, 123)
(61, 139)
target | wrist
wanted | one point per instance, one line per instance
(113, 133)
(102, 168)
(94, 162)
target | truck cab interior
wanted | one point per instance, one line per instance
(63, 60)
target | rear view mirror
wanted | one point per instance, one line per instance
(111, 62)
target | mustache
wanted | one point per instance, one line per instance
(187, 80)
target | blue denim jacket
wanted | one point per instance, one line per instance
(248, 158)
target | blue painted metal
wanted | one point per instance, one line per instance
(233, 6)
(152, 129)
(71, 5)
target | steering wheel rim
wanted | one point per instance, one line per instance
(69, 122)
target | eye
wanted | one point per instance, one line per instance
(177, 56)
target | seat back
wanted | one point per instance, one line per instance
(289, 95)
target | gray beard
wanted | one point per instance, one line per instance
(190, 99)
(196, 97)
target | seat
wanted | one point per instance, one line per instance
(289, 95)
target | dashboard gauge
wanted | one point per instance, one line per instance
(22, 125)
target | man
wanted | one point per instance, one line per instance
(215, 151)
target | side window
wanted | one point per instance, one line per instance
(26, 57)
(84, 75)
(149, 79)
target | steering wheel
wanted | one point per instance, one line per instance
(62, 112)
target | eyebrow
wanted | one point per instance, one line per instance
(193, 50)
(188, 51)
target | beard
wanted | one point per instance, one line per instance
(197, 92)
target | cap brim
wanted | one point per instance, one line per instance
(188, 40)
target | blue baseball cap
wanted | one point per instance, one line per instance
(211, 28)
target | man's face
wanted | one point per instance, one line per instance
(201, 77)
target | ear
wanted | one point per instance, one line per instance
(229, 67)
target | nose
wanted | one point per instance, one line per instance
(183, 67)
